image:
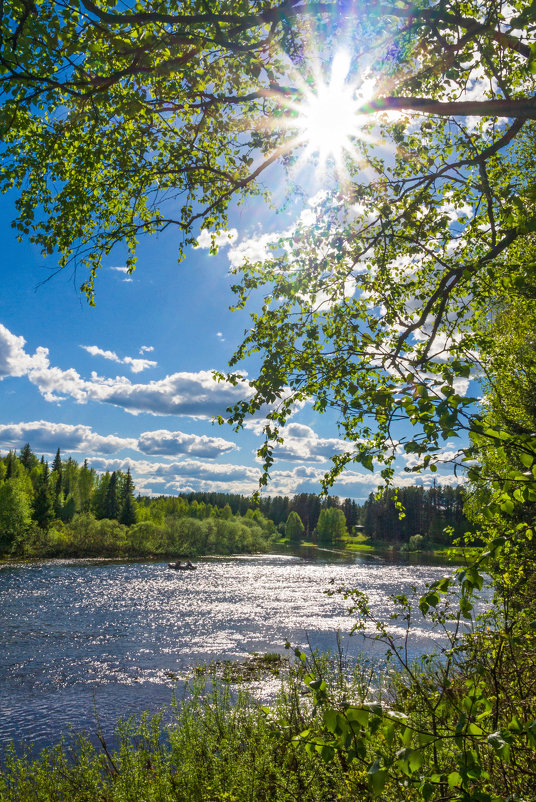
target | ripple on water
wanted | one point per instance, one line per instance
(83, 634)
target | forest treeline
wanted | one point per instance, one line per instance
(69, 509)
(436, 514)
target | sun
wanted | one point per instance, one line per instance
(328, 119)
(327, 116)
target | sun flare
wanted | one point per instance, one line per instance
(328, 118)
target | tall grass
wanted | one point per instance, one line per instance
(217, 745)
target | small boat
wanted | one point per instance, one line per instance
(180, 567)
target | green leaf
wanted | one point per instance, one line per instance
(358, 714)
(508, 506)
(526, 459)
(377, 777)
(331, 719)
(454, 780)
(327, 753)
(499, 745)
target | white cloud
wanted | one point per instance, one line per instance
(255, 249)
(55, 384)
(318, 198)
(195, 395)
(94, 350)
(46, 437)
(303, 443)
(188, 474)
(123, 269)
(165, 443)
(14, 361)
(218, 239)
(145, 349)
(197, 475)
(307, 217)
(136, 365)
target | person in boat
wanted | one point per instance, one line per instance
(189, 564)
(178, 564)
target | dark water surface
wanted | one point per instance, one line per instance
(85, 635)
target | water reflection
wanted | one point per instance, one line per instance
(84, 634)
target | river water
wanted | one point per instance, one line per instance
(83, 638)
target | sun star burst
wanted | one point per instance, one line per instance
(327, 116)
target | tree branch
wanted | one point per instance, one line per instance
(523, 108)
(284, 10)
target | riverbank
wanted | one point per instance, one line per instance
(438, 555)
(433, 554)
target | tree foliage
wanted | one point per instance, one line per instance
(127, 515)
(14, 512)
(331, 526)
(436, 514)
(123, 122)
(82, 514)
(294, 527)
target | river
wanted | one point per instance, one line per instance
(83, 638)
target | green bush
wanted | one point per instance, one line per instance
(417, 543)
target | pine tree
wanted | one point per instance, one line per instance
(10, 460)
(56, 465)
(57, 469)
(86, 481)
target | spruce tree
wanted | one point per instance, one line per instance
(127, 516)
(27, 457)
(57, 469)
(10, 460)
(56, 465)
(111, 500)
(43, 504)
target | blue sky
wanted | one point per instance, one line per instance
(128, 383)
